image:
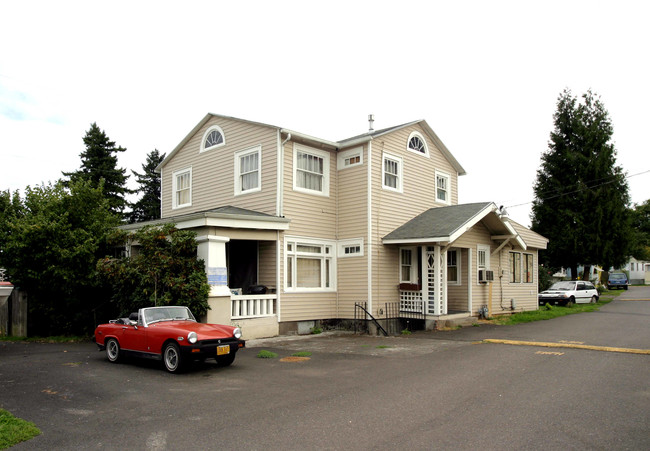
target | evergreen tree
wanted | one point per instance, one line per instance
(148, 206)
(581, 196)
(99, 161)
(641, 231)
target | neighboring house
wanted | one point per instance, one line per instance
(638, 271)
(325, 224)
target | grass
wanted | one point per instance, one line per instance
(15, 430)
(552, 311)
(301, 354)
(264, 354)
(382, 346)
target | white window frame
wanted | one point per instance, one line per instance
(350, 244)
(522, 268)
(486, 264)
(447, 177)
(343, 158)
(328, 261)
(512, 265)
(413, 277)
(205, 135)
(458, 267)
(238, 175)
(175, 176)
(421, 138)
(399, 175)
(299, 148)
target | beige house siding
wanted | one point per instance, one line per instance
(312, 216)
(457, 295)
(213, 180)
(391, 209)
(524, 294)
(266, 267)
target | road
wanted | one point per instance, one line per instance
(438, 390)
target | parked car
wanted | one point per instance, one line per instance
(569, 293)
(617, 280)
(170, 334)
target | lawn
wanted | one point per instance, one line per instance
(552, 311)
(14, 430)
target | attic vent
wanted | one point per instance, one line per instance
(371, 121)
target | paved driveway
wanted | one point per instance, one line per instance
(432, 390)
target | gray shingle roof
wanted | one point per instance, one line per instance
(438, 223)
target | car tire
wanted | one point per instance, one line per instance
(172, 358)
(113, 351)
(570, 302)
(625, 287)
(594, 299)
(226, 360)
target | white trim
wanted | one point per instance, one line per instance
(205, 135)
(346, 155)
(369, 229)
(424, 141)
(326, 169)
(448, 191)
(238, 155)
(351, 243)
(458, 280)
(399, 175)
(413, 276)
(485, 248)
(324, 256)
(175, 174)
(469, 281)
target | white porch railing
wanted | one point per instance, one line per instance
(252, 306)
(411, 301)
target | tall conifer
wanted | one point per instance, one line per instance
(148, 206)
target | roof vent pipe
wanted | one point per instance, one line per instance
(371, 121)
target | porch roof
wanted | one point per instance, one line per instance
(226, 216)
(446, 224)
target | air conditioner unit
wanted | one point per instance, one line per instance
(485, 275)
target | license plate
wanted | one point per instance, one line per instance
(223, 349)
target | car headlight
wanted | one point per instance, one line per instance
(192, 338)
(237, 332)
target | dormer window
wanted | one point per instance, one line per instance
(213, 138)
(417, 144)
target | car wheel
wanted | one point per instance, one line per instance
(172, 358)
(113, 350)
(226, 360)
(570, 302)
(594, 299)
(625, 287)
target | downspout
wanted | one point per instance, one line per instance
(370, 225)
(279, 212)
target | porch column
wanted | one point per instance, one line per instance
(212, 249)
(437, 281)
(424, 278)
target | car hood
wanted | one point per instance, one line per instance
(203, 331)
(553, 292)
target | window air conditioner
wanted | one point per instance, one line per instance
(485, 275)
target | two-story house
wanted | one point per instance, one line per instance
(295, 229)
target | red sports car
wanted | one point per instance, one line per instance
(170, 334)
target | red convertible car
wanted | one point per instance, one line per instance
(170, 334)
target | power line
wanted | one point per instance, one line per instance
(608, 181)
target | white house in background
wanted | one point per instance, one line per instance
(296, 229)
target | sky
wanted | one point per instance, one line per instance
(485, 76)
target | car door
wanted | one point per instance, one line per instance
(133, 338)
(581, 293)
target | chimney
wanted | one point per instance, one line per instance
(371, 121)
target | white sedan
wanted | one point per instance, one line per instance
(569, 293)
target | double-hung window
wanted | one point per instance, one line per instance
(408, 265)
(453, 267)
(247, 170)
(182, 188)
(528, 268)
(521, 267)
(310, 170)
(310, 265)
(392, 173)
(483, 257)
(443, 194)
(515, 267)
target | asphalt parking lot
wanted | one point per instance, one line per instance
(423, 391)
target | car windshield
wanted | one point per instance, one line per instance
(155, 314)
(617, 276)
(563, 286)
